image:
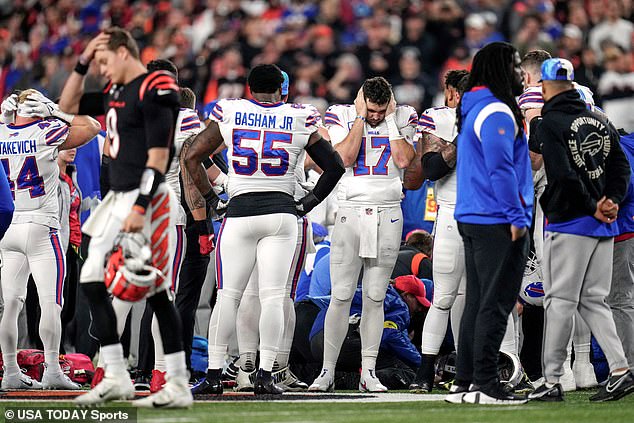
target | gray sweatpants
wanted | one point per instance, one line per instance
(621, 298)
(577, 276)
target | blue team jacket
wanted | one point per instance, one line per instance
(495, 184)
(625, 219)
(395, 337)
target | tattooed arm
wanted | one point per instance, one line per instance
(413, 177)
(200, 148)
(193, 197)
(438, 156)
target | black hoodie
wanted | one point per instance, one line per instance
(582, 157)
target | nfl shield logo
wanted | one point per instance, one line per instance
(368, 212)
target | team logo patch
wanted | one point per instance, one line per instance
(15, 134)
(368, 212)
(534, 290)
(343, 219)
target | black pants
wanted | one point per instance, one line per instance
(533, 329)
(146, 342)
(192, 278)
(494, 266)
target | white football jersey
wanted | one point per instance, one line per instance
(187, 124)
(28, 154)
(441, 122)
(264, 143)
(374, 180)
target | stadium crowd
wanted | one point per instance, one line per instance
(328, 49)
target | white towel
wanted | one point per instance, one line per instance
(369, 232)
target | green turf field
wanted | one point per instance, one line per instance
(575, 409)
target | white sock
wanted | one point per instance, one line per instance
(267, 358)
(52, 361)
(434, 330)
(247, 361)
(11, 364)
(175, 365)
(113, 358)
(335, 329)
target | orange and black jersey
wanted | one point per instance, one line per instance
(139, 115)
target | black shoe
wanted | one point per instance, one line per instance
(493, 394)
(142, 382)
(420, 387)
(208, 386)
(264, 384)
(544, 393)
(524, 387)
(616, 388)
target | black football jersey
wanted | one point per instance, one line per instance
(139, 115)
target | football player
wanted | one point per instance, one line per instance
(142, 109)
(375, 139)
(265, 138)
(28, 152)
(581, 376)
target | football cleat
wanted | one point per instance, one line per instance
(97, 377)
(208, 386)
(244, 381)
(546, 393)
(158, 380)
(58, 380)
(325, 382)
(456, 394)
(584, 375)
(264, 384)
(370, 383)
(525, 386)
(495, 395)
(142, 382)
(174, 394)
(19, 381)
(616, 388)
(117, 386)
(420, 388)
(288, 381)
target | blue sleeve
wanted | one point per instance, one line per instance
(397, 342)
(320, 279)
(498, 139)
(6, 203)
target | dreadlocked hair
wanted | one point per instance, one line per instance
(492, 67)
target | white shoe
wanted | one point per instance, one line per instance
(584, 375)
(325, 382)
(19, 381)
(175, 394)
(456, 394)
(478, 397)
(370, 383)
(58, 380)
(286, 380)
(568, 379)
(244, 381)
(116, 386)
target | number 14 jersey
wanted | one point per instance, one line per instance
(374, 179)
(265, 143)
(29, 156)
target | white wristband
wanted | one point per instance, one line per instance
(392, 129)
(63, 116)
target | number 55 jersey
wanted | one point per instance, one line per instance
(374, 180)
(28, 154)
(265, 142)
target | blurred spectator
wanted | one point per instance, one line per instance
(570, 44)
(589, 71)
(377, 56)
(616, 87)
(411, 86)
(230, 80)
(342, 87)
(19, 71)
(613, 27)
(531, 35)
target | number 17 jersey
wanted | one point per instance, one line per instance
(265, 143)
(374, 179)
